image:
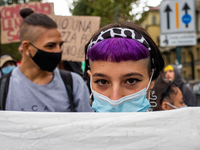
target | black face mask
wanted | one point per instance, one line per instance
(47, 61)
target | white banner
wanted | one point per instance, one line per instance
(175, 130)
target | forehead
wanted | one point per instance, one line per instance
(176, 95)
(169, 68)
(48, 35)
(119, 68)
(179, 96)
(171, 71)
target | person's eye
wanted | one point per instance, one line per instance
(61, 44)
(101, 82)
(131, 81)
(50, 46)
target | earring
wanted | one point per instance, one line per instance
(30, 54)
(153, 99)
(91, 99)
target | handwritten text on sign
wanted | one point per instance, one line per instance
(76, 31)
(11, 19)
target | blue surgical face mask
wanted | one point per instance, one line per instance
(136, 102)
(8, 69)
(175, 106)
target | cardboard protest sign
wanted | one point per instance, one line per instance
(11, 19)
(76, 31)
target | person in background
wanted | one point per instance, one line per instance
(173, 73)
(37, 85)
(122, 61)
(168, 95)
(7, 64)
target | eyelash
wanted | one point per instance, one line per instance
(50, 46)
(61, 44)
(135, 80)
(100, 80)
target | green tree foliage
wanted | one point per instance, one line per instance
(2, 3)
(141, 15)
(12, 48)
(109, 10)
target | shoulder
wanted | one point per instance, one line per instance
(76, 77)
(17, 73)
(186, 89)
(77, 80)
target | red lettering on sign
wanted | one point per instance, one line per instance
(11, 19)
(6, 13)
(15, 11)
(18, 22)
(6, 24)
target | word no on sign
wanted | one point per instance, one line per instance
(177, 16)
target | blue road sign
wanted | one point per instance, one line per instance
(186, 19)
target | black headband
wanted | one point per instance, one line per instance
(119, 32)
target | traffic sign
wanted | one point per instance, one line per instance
(177, 16)
(178, 39)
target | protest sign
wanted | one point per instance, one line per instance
(11, 19)
(76, 31)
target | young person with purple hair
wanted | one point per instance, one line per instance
(122, 62)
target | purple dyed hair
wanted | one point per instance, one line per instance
(118, 49)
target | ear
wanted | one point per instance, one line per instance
(152, 84)
(89, 72)
(25, 46)
(164, 106)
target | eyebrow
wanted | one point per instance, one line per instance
(132, 74)
(54, 43)
(50, 43)
(124, 76)
(62, 42)
(99, 75)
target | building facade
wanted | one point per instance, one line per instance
(189, 56)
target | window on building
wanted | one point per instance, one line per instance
(154, 20)
(183, 57)
(198, 73)
(184, 74)
(190, 57)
